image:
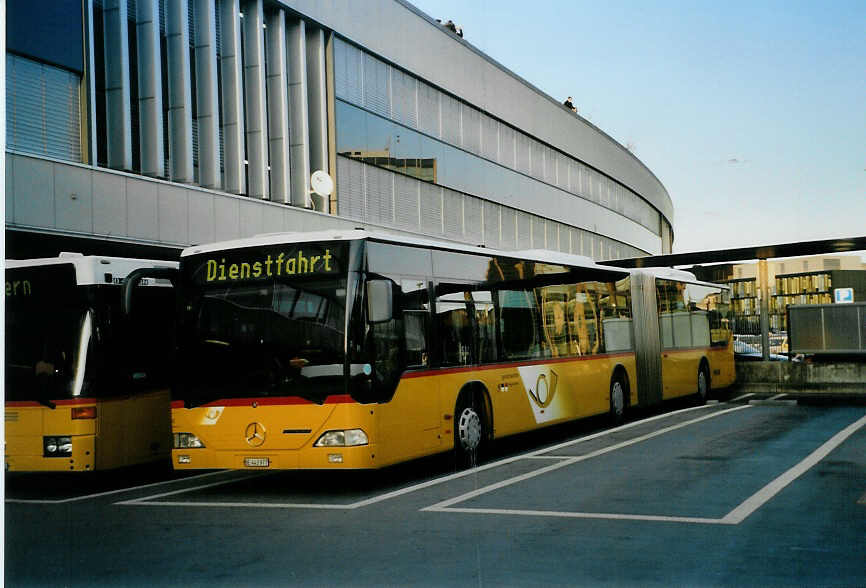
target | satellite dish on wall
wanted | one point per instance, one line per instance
(321, 183)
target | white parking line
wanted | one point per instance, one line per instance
(192, 489)
(735, 517)
(743, 397)
(573, 460)
(151, 500)
(758, 499)
(110, 492)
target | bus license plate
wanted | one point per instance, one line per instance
(257, 462)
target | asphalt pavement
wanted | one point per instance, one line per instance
(728, 494)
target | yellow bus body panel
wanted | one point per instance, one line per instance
(417, 421)
(680, 369)
(126, 431)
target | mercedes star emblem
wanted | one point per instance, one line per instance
(255, 434)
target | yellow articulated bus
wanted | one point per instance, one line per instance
(355, 349)
(86, 387)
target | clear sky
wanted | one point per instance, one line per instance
(752, 114)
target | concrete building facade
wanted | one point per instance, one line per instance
(144, 126)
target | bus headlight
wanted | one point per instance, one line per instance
(56, 446)
(347, 438)
(187, 441)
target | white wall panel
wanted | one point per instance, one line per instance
(34, 192)
(250, 217)
(173, 214)
(73, 199)
(142, 209)
(226, 219)
(109, 205)
(200, 222)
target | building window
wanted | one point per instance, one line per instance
(43, 109)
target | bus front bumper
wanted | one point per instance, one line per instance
(27, 454)
(318, 458)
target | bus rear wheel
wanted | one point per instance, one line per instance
(703, 383)
(618, 398)
(468, 431)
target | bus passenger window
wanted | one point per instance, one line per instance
(454, 328)
(519, 324)
(414, 302)
(415, 328)
(485, 322)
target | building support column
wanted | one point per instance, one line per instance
(764, 291)
(179, 92)
(332, 124)
(278, 108)
(118, 122)
(299, 123)
(207, 88)
(150, 89)
(317, 104)
(254, 93)
(232, 95)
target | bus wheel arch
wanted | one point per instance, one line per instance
(620, 393)
(473, 423)
(703, 380)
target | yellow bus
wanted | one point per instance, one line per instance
(356, 349)
(86, 389)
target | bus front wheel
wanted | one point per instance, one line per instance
(468, 431)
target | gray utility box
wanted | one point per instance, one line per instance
(827, 328)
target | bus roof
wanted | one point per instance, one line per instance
(541, 255)
(93, 269)
(667, 273)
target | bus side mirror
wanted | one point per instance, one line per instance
(380, 301)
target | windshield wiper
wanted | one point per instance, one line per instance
(46, 402)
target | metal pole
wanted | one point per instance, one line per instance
(763, 284)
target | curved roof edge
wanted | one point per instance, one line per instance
(455, 65)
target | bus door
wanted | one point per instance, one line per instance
(409, 416)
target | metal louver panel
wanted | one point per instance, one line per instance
(406, 193)
(453, 213)
(507, 141)
(428, 109)
(404, 92)
(473, 229)
(524, 230)
(377, 86)
(42, 109)
(349, 72)
(538, 236)
(471, 128)
(489, 137)
(380, 196)
(508, 230)
(431, 209)
(537, 159)
(350, 179)
(523, 153)
(450, 109)
(549, 165)
(491, 224)
(574, 177)
(563, 166)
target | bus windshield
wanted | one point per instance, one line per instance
(254, 328)
(48, 329)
